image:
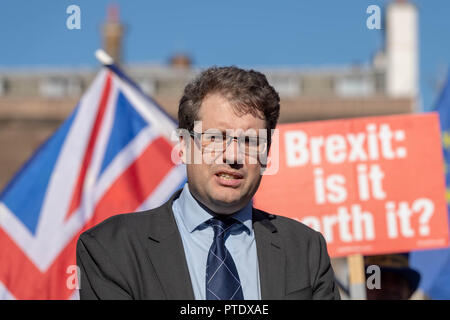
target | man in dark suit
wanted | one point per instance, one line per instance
(207, 241)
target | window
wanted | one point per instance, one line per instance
(355, 86)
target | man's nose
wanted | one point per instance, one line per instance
(232, 154)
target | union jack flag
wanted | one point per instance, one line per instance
(111, 156)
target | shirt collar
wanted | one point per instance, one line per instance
(194, 215)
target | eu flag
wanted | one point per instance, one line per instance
(434, 265)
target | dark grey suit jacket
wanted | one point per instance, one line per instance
(141, 256)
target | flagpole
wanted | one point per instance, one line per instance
(103, 57)
(106, 60)
(357, 277)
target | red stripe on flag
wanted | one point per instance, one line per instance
(137, 182)
(78, 191)
(132, 188)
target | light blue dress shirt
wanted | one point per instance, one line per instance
(197, 238)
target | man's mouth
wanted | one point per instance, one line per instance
(227, 176)
(229, 179)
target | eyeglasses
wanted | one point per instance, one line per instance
(219, 141)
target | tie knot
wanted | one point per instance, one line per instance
(221, 225)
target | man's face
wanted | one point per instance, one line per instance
(229, 183)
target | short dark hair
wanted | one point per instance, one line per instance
(247, 90)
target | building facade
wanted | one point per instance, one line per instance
(34, 102)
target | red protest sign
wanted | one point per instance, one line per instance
(369, 185)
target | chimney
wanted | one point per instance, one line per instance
(402, 49)
(180, 61)
(113, 33)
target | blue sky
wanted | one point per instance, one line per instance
(245, 33)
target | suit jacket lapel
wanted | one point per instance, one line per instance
(166, 251)
(271, 257)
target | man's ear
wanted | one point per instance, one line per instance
(183, 149)
(180, 151)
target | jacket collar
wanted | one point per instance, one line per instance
(167, 254)
(194, 214)
(163, 222)
(271, 256)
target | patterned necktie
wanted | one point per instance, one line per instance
(222, 279)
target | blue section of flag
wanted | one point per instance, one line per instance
(127, 124)
(434, 265)
(443, 108)
(25, 193)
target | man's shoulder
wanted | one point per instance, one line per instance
(117, 222)
(122, 225)
(129, 224)
(285, 225)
